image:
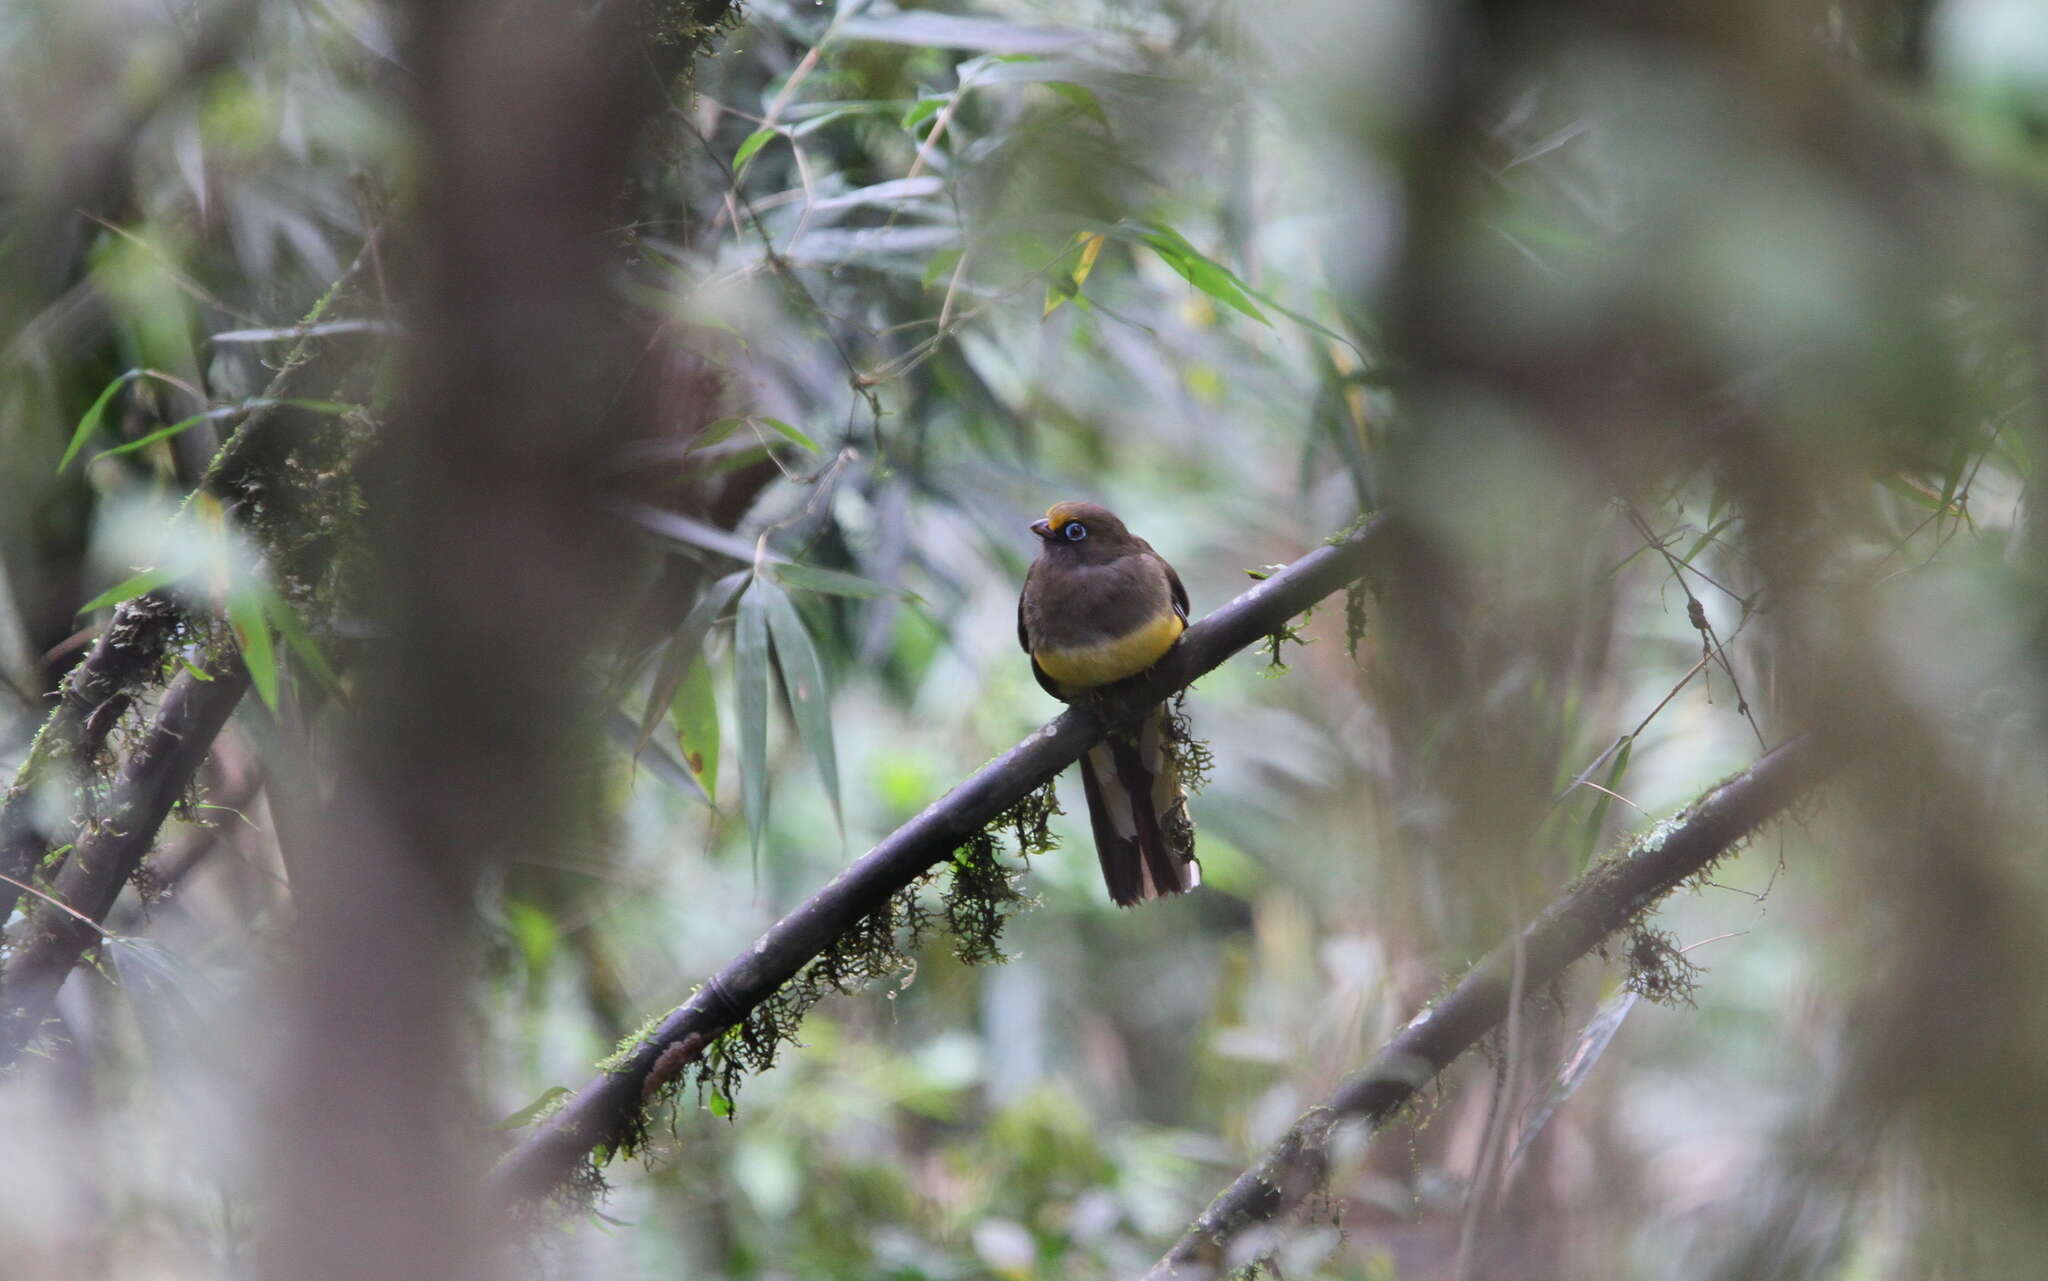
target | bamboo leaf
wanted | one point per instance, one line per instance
(755, 141)
(1201, 271)
(1700, 543)
(750, 679)
(1578, 1065)
(679, 528)
(91, 422)
(161, 433)
(832, 582)
(298, 637)
(714, 432)
(526, 1115)
(695, 713)
(1082, 97)
(252, 634)
(790, 433)
(922, 110)
(1088, 248)
(656, 758)
(803, 679)
(687, 644)
(1589, 838)
(129, 588)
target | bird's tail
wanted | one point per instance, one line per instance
(1135, 802)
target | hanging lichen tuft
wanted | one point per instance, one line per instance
(979, 895)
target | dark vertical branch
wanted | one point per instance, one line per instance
(498, 576)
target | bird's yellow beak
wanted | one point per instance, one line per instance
(1042, 528)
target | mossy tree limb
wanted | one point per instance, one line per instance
(1609, 899)
(607, 1111)
(156, 773)
(122, 661)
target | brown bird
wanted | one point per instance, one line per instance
(1099, 606)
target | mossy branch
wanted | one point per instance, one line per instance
(608, 1111)
(1612, 897)
(122, 661)
(152, 779)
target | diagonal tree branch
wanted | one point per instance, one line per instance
(91, 699)
(152, 779)
(1607, 899)
(603, 1111)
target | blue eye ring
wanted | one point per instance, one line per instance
(1073, 531)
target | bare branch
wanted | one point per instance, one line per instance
(603, 1111)
(1607, 899)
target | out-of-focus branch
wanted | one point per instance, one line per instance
(93, 696)
(1609, 898)
(604, 1109)
(152, 779)
(125, 657)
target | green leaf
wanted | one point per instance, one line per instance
(715, 432)
(755, 141)
(695, 713)
(129, 588)
(791, 433)
(1912, 492)
(1369, 377)
(1082, 97)
(225, 411)
(336, 407)
(91, 422)
(535, 931)
(1700, 543)
(161, 433)
(298, 637)
(655, 757)
(922, 110)
(941, 264)
(1589, 839)
(525, 1116)
(720, 1105)
(803, 679)
(687, 644)
(832, 582)
(750, 680)
(252, 633)
(1201, 271)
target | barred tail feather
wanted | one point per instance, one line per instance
(1135, 802)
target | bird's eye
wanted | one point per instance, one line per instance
(1075, 531)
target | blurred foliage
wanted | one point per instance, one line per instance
(1700, 354)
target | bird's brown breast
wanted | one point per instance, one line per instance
(1089, 625)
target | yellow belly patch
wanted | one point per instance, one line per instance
(1086, 666)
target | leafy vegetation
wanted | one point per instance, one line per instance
(1694, 365)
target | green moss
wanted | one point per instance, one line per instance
(687, 26)
(629, 1045)
(1354, 618)
(1280, 636)
(978, 896)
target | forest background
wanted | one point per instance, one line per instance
(500, 504)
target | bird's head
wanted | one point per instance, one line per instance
(1083, 533)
